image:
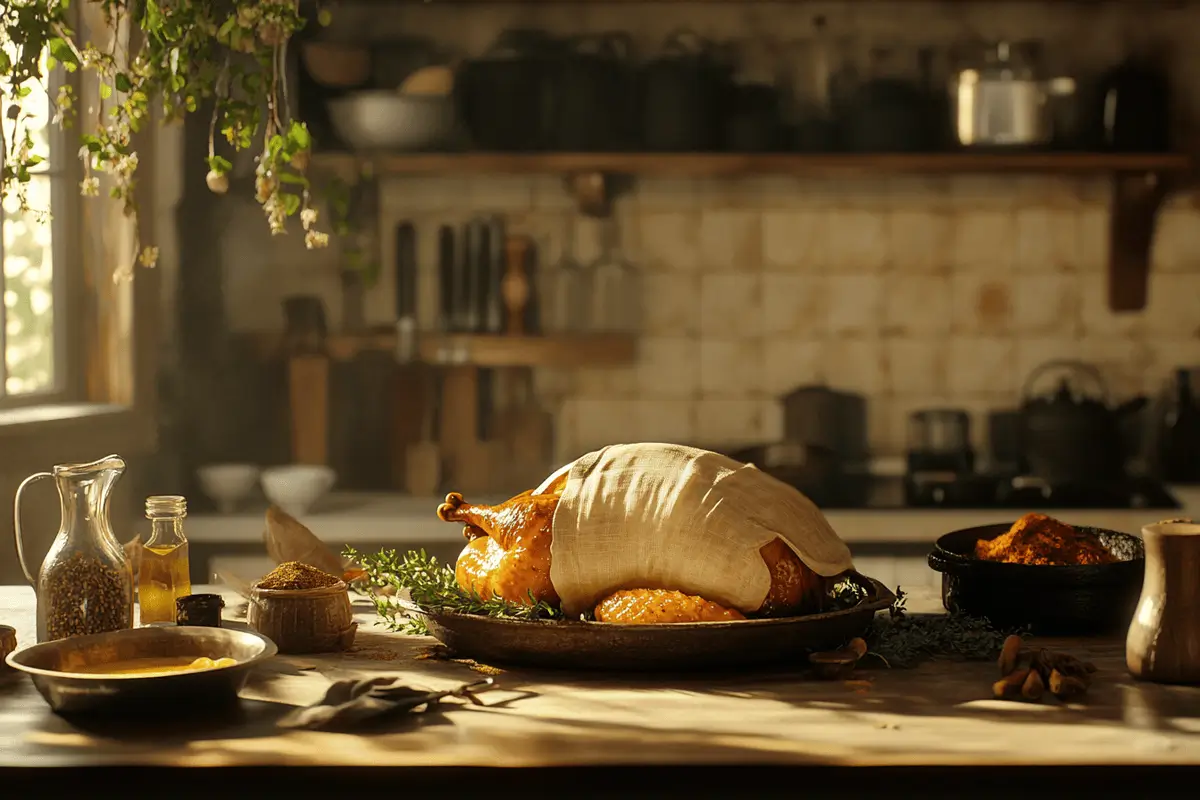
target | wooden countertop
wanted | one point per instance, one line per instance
(938, 715)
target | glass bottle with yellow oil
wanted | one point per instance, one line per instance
(164, 572)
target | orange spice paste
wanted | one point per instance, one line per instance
(1041, 540)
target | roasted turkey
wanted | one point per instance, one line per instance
(508, 555)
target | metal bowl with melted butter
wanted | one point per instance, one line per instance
(188, 667)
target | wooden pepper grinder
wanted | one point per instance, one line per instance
(515, 286)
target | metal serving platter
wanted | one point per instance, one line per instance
(687, 646)
(75, 692)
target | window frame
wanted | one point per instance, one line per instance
(64, 173)
(107, 398)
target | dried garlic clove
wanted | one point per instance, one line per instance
(1009, 687)
(1009, 655)
(1034, 686)
(1065, 687)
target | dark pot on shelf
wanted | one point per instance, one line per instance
(683, 94)
(595, 108)
(1073, 435)
(506, 97)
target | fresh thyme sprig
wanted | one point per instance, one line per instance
(432, 586)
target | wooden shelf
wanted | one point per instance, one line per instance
(587, 350)
(715, 165)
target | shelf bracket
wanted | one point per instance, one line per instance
(1133, 214)
(592, 192)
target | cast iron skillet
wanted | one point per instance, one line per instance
(1049, 600)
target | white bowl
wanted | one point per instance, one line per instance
(228, 484)
(383, 120)
(295, 488)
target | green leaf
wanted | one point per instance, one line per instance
(152, 20)
(218, 164)
(122, 82)
(105, 91)
(291, 203)
(62, 51)
(295, 180)
(298, 135)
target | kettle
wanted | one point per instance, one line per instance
(1072, 436)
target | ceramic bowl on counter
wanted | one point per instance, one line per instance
(383, 120)
(304, 620)
(228, 484)
(71, 673)
(296, 488)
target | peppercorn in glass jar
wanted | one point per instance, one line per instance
(85, 585)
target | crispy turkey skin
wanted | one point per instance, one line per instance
(508, 556)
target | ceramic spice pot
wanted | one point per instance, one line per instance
(1163, 644)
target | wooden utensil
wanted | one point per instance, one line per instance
(515, 286)
(308, 388)
(423, 458)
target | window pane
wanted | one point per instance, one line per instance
(28, 293)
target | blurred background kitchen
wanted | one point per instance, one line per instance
(911, 277)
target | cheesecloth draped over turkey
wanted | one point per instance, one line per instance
(672, 517)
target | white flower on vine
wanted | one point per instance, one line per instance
(315, 240)
(90, 187)
(148, 257)
(308, 218)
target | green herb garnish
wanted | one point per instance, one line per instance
(431, 585)
(903, 641)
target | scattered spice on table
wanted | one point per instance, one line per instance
(294, 575)
(439, 652)
(1040, 540)
(375, 653)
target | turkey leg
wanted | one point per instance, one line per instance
(515, 521)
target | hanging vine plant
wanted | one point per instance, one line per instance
(171, 56)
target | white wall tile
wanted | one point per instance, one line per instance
(858, 242)
(731, 367)
(731, 305)
(731, 241)
(855, 304)
(671, 240)
(668, 367)
(980, 364)
(983, 242)
(728, 422)
(794, 305)
(791, 362)
(796, 240)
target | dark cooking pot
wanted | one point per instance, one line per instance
(595, 104)
(683, 96)
(507, 95)
(1072, 436)
(1092, 598)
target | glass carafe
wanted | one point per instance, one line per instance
(614, 287)
(85, 585)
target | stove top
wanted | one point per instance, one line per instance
(947, 490)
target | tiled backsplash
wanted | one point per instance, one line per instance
(913, 291)
(916, 291)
